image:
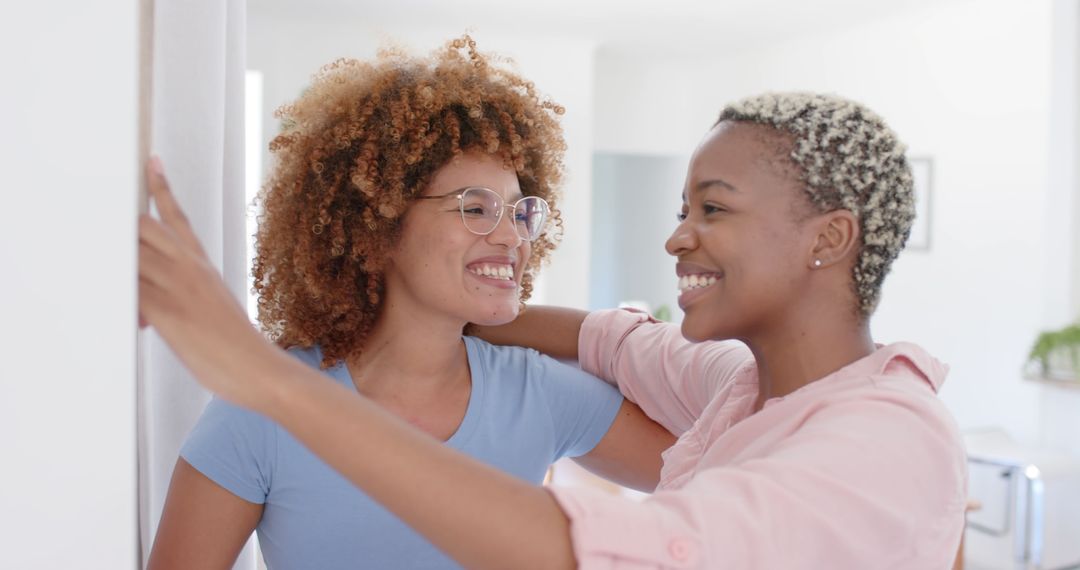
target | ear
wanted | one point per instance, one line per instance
(838, 238)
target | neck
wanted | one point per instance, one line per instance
(798, 353)
(410, 350)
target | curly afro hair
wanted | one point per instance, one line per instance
(355, 149)
(845, 157)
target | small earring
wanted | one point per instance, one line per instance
(817, 263)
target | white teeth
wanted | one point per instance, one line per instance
(695, 281)
(504, 272)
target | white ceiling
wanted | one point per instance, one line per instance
(630, 26)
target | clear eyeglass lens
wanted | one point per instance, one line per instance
(530, 213)
(481, 211)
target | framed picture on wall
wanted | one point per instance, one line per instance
(922, 171)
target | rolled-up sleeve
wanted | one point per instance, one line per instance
(610, 532)
(669, 377)
(859, 485)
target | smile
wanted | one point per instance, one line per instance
(493, 271)
(696, 281)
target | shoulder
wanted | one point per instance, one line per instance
(911, 360)
(891, 395)
(223, 417)
(497, 358)
(312, 356)
(221, 414)
(530, 370)
(899, 368)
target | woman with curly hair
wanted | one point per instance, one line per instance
(803, 444)
(411, 196)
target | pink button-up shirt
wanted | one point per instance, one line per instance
(862, 469)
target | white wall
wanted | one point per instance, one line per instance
(1059, 419)
(68, 154)
(635, 197)
(966, 82)
(562, 68)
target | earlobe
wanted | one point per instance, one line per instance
(837, 238)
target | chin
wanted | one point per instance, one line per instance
(699, 328)
(495, 316)
(692, 333)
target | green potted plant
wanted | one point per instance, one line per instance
(1056, 354)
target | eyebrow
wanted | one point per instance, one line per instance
(513, 198)
(706, 184)
(714, 182)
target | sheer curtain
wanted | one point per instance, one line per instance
(195, 50)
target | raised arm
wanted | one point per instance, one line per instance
(550, 330)
(669, 377)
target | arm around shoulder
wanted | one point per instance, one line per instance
(550, 330)
(671, 378)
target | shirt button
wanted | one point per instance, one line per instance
(680, 549)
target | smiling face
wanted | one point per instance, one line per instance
(742, 251)
(441, 268)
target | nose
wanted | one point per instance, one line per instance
(505, 233)
(682, 241)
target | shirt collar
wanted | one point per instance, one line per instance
(897, 357)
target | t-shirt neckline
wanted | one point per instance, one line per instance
(478, 375)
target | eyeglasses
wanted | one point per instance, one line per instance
(482, 210)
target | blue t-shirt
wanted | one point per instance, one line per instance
(525, 411)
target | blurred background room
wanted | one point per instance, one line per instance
(985, 92)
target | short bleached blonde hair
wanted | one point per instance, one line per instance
(844, 157)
